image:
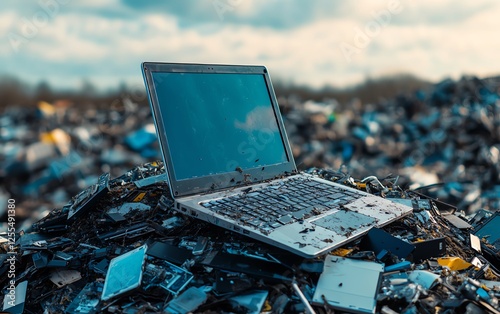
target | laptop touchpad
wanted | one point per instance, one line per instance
(345, 222)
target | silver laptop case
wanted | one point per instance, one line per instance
(222, 136)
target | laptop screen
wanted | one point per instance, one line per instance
(218, 123)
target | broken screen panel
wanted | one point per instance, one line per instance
(490, 231)
(124, 273)
(349, 285)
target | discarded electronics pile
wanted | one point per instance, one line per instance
(118, 247)
(52, 151)
(448, 134)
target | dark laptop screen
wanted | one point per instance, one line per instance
(217, 123)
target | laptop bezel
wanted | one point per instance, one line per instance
(220, 181)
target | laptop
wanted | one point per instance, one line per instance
(229, 162)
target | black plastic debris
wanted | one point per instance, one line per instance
(88, 198)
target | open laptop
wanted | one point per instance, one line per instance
(229, 161)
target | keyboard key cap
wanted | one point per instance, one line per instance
(285, 219)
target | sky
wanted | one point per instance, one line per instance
(316, 43)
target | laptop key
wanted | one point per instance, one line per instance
(299, 214)
(255, 222)
(275, 224)
(285, 219)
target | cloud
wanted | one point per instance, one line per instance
(106, 43)
(257, 13)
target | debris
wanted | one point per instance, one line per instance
(453, 263)
(62, 278)
(118, 245)
(151, 253)
(14, 301)
(349, 285)
(188, 301)
(124, 273)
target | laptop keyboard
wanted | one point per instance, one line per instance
(282, 203)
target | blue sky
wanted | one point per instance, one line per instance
(315, 42)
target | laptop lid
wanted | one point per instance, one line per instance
(219, 126)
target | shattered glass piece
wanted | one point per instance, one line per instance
(348, 284)
(187, 302)
(124, 273)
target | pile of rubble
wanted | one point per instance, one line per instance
(53, 151)
(449, 135)
(118, 247)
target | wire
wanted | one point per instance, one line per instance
(302, 297)
(374, 178)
